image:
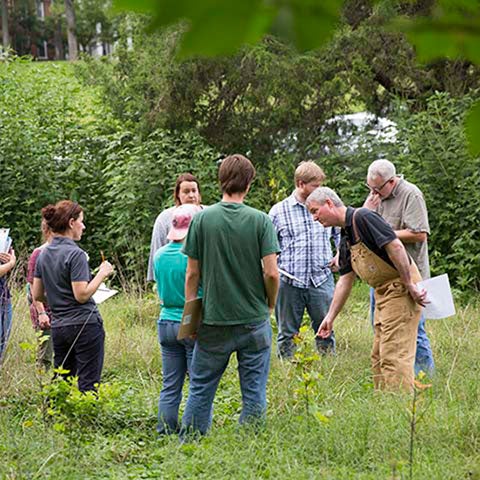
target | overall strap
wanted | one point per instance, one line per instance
(356, 236)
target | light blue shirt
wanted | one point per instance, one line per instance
(170, 266)
(305, 244)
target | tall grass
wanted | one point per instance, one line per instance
(361, 434)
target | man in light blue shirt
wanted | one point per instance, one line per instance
(306, 256)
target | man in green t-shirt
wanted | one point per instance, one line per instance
(225, 245)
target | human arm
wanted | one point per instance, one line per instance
(408, 236)
(7, 262)
(192, 279)
(159, 238)
(333, 264)
(340, 295)
(271, 278)
(398, 255)
(83, 291)
(38, 291)
(40, 314)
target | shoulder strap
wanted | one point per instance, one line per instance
(355, 228)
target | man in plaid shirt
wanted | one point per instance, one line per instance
(306, 259)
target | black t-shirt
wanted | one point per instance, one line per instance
(373, 231)
(61, 263)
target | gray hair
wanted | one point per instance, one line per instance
(321, 194)
(381, 168)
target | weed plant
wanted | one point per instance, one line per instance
(48, 430)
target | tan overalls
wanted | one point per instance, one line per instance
(396, 318)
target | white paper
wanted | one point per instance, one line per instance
(289, 275)
(5, 240)
(440, 297)
(103, 293)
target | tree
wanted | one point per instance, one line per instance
(71, 30)
(5, 33)
(441, 29)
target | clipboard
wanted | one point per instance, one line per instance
(191, 319)
(103, 293)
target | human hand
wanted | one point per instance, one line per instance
(418, 296)
(333, 264)
(43, 321)
(105, 269)
(372, 201)
(325, 328)
(8, 258)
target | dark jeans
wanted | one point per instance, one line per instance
(176, 360)
(86, 356)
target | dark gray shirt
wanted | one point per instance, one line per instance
(373, 231)
(61, 263)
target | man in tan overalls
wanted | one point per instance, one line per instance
(370, 249)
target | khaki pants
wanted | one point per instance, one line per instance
(395, 324)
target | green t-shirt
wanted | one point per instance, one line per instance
(169, 267)
(229, 240)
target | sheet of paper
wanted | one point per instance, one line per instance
(103, 293)
(289, 275)
(5, 240)
(440, 297)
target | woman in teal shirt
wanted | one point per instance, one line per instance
(170, 266)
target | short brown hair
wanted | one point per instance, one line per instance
(184, 177)
(58, 216)
(236, 173)
(307, 172)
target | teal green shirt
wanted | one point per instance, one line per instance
(229, 240)
(170, 265)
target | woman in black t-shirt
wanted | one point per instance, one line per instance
(62, 276)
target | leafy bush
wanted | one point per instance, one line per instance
(58, 140)
(431, 152)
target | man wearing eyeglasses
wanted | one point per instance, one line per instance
(402, 205)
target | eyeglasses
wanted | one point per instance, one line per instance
(377, 189)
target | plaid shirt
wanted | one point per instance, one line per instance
(305, 244)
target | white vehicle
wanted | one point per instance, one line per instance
(358, 130)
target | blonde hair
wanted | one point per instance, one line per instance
(307, 172)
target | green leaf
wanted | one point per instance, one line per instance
(472, 127)
(218, 27)
(314, 22)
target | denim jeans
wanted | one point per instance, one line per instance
(423, 355)
(5, 326)
(176, 361)
(215, 344)
(291, 304)
(86, 357)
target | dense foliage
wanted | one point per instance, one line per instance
(58, 139)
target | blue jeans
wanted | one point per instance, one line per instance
(176, 360)
(423, 355)
(215, 344)
(5, 326)
(291, 304)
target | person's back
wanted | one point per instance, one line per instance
(169, 267)
(230, 241)
(226, 245)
